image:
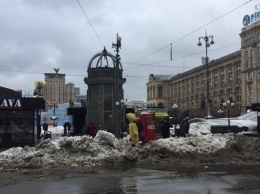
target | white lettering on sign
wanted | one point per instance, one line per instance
(10, 103)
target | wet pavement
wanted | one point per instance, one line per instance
(135, 179)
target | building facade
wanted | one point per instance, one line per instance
(56, 91)
(233, 77)
(69, 92)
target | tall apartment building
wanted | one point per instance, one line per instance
(235, 77)
(77, 91)
(69, 92)
(54, 89)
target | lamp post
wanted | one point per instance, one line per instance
(207, 44)
(228, 104)
(174, 107)
(121, 117)
(54, 118)
(220, 112)
(117, 46)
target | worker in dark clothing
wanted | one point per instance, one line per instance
(140, 128)
(165, 127)
(45, 127)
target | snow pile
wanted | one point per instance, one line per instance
(198, 144)
(64, 151)
(106, 136)
(199, 128)
(85, 151)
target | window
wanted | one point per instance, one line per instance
(250, 75)
(250, 87)
(246, 54)
(249, 41)
(229, 66)
(222, 84)
(238, 72)
(238, 99)
(250, 98)
(251, 53)
(221, 69)
(237, 64)
(258, 50)
(258, 37)
(247, 63)
(160, 91)
(238, 90)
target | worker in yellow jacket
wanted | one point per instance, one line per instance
(133, 131)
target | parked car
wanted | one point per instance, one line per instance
(195, 120)
(245, 122)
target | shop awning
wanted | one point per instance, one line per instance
(161, 114)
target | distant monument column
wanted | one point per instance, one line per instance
(39, 85)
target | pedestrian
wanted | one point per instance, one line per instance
(45, 127)
(165, 127)
(69, 127)
(183, 128)
(65, 128)
(133, 131)
(92, 129)
(84, 130)
(140, 128)
(177, 130)
(186, 126)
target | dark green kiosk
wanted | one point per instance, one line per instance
(19, 118)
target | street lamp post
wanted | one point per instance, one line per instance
(117, 46)
(54, 118)
(207, 44)
(121, 116)
(220, 112)
(228, 104)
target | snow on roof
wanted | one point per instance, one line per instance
(162, 77)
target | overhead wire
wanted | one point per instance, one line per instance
(192, 32)
(163, 61)
(136, 63)
(90, 23)
(140, 65)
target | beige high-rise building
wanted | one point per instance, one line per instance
(54, 89)
(233, 77)
(69, 92)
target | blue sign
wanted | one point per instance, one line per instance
(250, 18)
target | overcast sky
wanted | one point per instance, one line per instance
(39, 35)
